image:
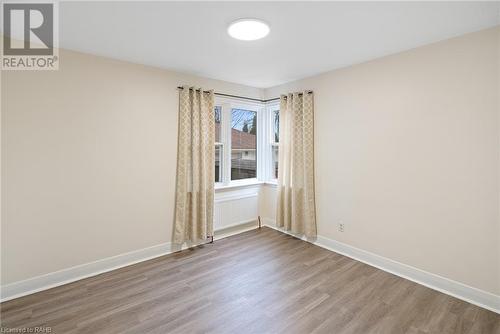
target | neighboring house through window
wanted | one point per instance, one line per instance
(243, 144)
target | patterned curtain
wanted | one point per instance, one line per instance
(195, 167)
(296, 206)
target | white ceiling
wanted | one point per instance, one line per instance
(306, 38)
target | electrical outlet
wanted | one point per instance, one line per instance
(341, 227)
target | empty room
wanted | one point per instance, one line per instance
(250, 167)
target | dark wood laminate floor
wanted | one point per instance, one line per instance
(261, 281)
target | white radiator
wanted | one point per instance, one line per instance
(235, 207)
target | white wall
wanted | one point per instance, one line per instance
(88, 161)
(407, 151)
(407, 156)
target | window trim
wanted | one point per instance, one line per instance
(270, 108)
(265, 141)
(221, 156)
(227, 104)
(220, 144)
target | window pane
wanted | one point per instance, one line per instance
(275, 153)
(218, 163)
(243, 144)
(218, 118)
(276, 126)
(218, 148)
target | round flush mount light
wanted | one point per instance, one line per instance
(248, 29)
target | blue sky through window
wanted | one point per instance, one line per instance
(241, 118)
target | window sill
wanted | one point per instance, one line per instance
(272, 183)
(238, 184)
(244, 184)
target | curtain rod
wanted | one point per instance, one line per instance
(244, 97)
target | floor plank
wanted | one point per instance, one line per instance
(260, 281)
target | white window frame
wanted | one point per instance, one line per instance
(221, 146)
(270, 108)
(227, 104)
(265, 140)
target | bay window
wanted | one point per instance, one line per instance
(245, 150)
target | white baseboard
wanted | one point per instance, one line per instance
(234, 225)
(453, 288)
(68, 275)
(39, 283)
(72, 274)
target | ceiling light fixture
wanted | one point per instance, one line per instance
(248, 29)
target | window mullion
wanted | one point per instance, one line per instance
(226, 141)
(261, 140)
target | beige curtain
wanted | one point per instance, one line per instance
(296, 206)
(195, 166)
